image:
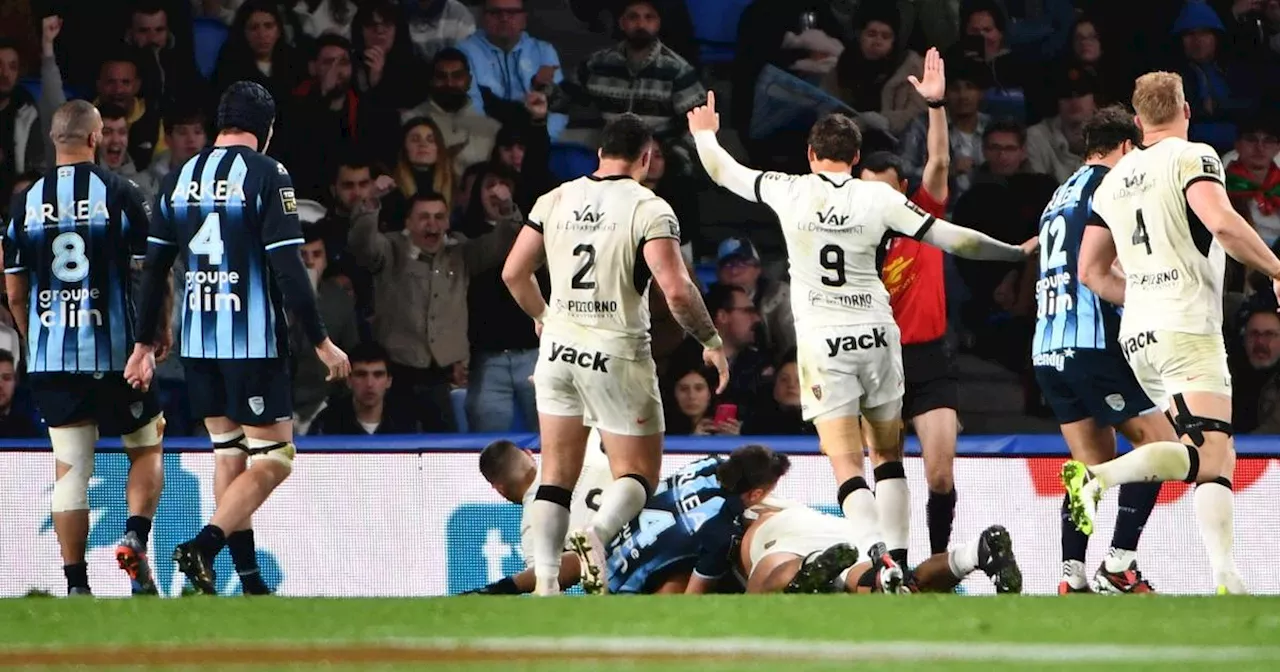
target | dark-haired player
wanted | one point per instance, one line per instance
(913, 274)
(1081, 371)
(515, 475)
(602, 238)
(74, 236)
(682, 541)
(231, 211)
(791, 548)
(848, 346)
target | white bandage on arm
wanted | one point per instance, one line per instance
(970, 244)
(723, 169)
(73, 446)
(145, 436)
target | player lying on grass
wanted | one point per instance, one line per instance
(683, 539)
(515, 475)
(791, 548)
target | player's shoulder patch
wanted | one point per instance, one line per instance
(1211, 165)
(288, 201)
(281, 169)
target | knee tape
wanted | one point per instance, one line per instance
(280, 451)
(73, 446)
(229, 444)
(841, 436)
(1194, 426)
(145, 436)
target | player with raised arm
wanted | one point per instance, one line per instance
(1163, 212)
(682, 541)
(848, 346)
(232, 212)
(1082, 374)
(73, 238)
(515, 475)
(602, 237)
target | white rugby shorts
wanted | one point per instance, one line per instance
(1173, 362)
(798, 530)
(615, 395)
(846, 369)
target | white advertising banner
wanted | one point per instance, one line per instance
(427, 524)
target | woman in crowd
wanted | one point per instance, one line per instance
(780, 412)
(257, 50)
(690, 408)
(871, 75)
(424, 165)
(386, 66)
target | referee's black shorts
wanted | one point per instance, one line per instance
(932, 379)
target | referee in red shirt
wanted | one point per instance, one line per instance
(912, 272)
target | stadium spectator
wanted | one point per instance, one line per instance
(966, 85)
(468, 133)
(1255, 365)
(871, 76)
(435, 25)
(1055, 146)
(20, 181)
(321, 17)
(186, 133)
(738, 265)
(167, 69)
(504, 346)
(367, 411)
(423, 166)
(508, 62)
(984, 46)
(642, 76)
(114, 154)
(337, 309)
(21, 147)
(1216, 88)
(326, 116)
(15, 423)
(387, 69)
(1253, 176)
(736, 318)
(1089, 57)
(762, 29)
(1037, 30)
(421, 278)
(679, 192)
(689, 408)
(10, 341)
(256, 50)
(352, 184)
(779, 412)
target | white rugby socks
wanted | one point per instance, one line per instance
(893, 507)
(859, 507)
(1158, 461)
(621, 501)
(1215, 512)
(962, 559)
(549, 522)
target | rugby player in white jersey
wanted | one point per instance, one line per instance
(1163, 212)
(515, 475)
(791, 548)
(602, 238)
(848, 346)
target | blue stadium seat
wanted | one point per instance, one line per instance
(715, 27)
(208, 36)
(34, 86)
(569, 160)
(459, 399)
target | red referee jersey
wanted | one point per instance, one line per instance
(913, 274)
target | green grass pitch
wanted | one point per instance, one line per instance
(713, 633)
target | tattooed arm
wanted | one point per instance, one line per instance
(687, 307)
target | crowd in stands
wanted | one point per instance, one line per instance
(435, 107)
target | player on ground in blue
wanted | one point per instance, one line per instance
(1080, 368)
(231, 212)
(683, 540)
(75, 235)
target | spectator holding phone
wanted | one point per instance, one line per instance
(691, 407)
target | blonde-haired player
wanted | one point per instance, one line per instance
(602, 237)
(1163, 212)
(848, 346)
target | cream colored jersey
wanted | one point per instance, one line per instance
(1173, 265)
(595, 477)
(594, 231)
(833, 224)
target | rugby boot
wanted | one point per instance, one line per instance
(1083, 494)
(197, 568)
(819, 571)
(995, 558)
(131, 555)
(590, 551)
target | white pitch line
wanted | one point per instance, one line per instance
(844, 651)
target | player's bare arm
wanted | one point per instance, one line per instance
(685, 301)
(525, 258)
(970, 244)
(1208, 200)
(18, 287)
(156, 277)
(933, 88)
(1097, 267)
(704, 122)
